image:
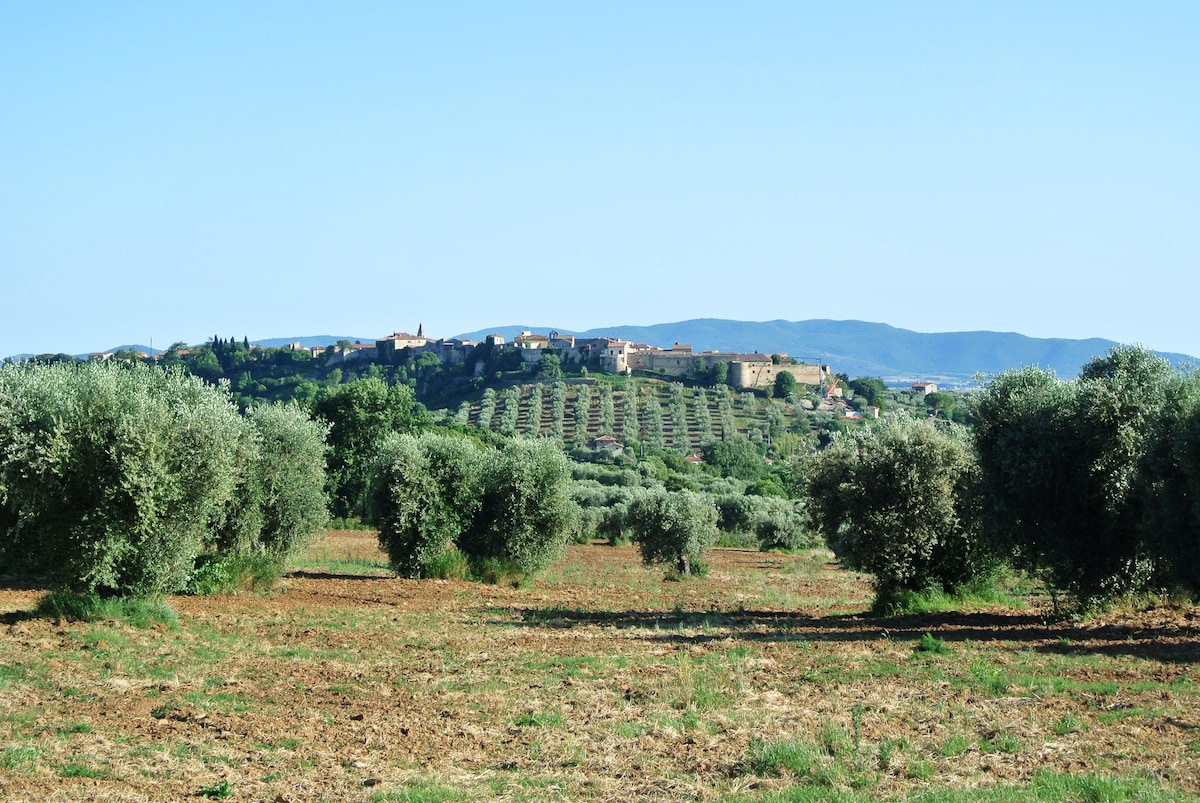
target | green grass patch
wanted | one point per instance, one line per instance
(426, 792)
(631, 730)
(1069, 723)
(955, 745)
(1124, 713)
(982, 594)
(19, 757)
(832, 762)
(989, 678)
(92, 607)
(1002, 742)
(75, 770)
(76, 727)
(539, 719)
(228, 574)
(219, 790)
(931, 645)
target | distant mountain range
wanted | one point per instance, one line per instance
(856, 348)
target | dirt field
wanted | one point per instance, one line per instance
(599, 681)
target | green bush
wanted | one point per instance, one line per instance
(735, 512)
(219, 573)
(423, 498)
(774, 523)
(361, 414)
(674, 528)
(1064, 470)
(433, 496)
(290, 475)
(780, 524)
(525, 512)
(898, 500)
(112, 477)
(1170, 485)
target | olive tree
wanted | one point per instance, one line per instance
(1170, 487)
(423, 497)
(674, 528)
(112, 477)
(360, 415)
(1062, 466)
(290, 475)
(897, 500)
(277, 505)
(525, 514)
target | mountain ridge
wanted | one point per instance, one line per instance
(856, 348)
(863, 348)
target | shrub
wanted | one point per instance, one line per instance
(290, 474)
(361, 414)
(1170, 485)
(780, 524)
(1063, 465)
(278, 502)
(525, 512)
(112, 476)
(932, 645)
(423, 497)
(217, 573)
(735, 512)
(674, 528)
(735, 457)
(898, 500)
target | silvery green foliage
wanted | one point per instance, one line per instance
(897, 500)
(1063, 465)
(525, 513)
(702, 414)
(533, 420)
(424, 497)
(558, 408)
(780, 524)
(608, 411)
(510, 398)
(112, 476)
(673, 528)
(1170, 485)
(652, 412)
(487, 408)
(630, 427)
(583, 406)
(777, 523)
(290, 478)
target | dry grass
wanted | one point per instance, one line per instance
(598, 681)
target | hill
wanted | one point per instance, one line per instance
(858, 348)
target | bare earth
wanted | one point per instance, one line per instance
(599, 681)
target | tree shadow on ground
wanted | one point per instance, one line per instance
(1169, 642)
(307, 575)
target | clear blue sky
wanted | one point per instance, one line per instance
(171, 171)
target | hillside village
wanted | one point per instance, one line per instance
(610, 355)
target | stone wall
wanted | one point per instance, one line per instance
(761, 374)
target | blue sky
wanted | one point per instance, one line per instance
(171, 171)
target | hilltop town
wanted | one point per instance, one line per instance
(610, 355)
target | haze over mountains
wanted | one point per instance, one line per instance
(856, 348)
(859, 348)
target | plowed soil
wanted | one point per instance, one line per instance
(600, 680)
